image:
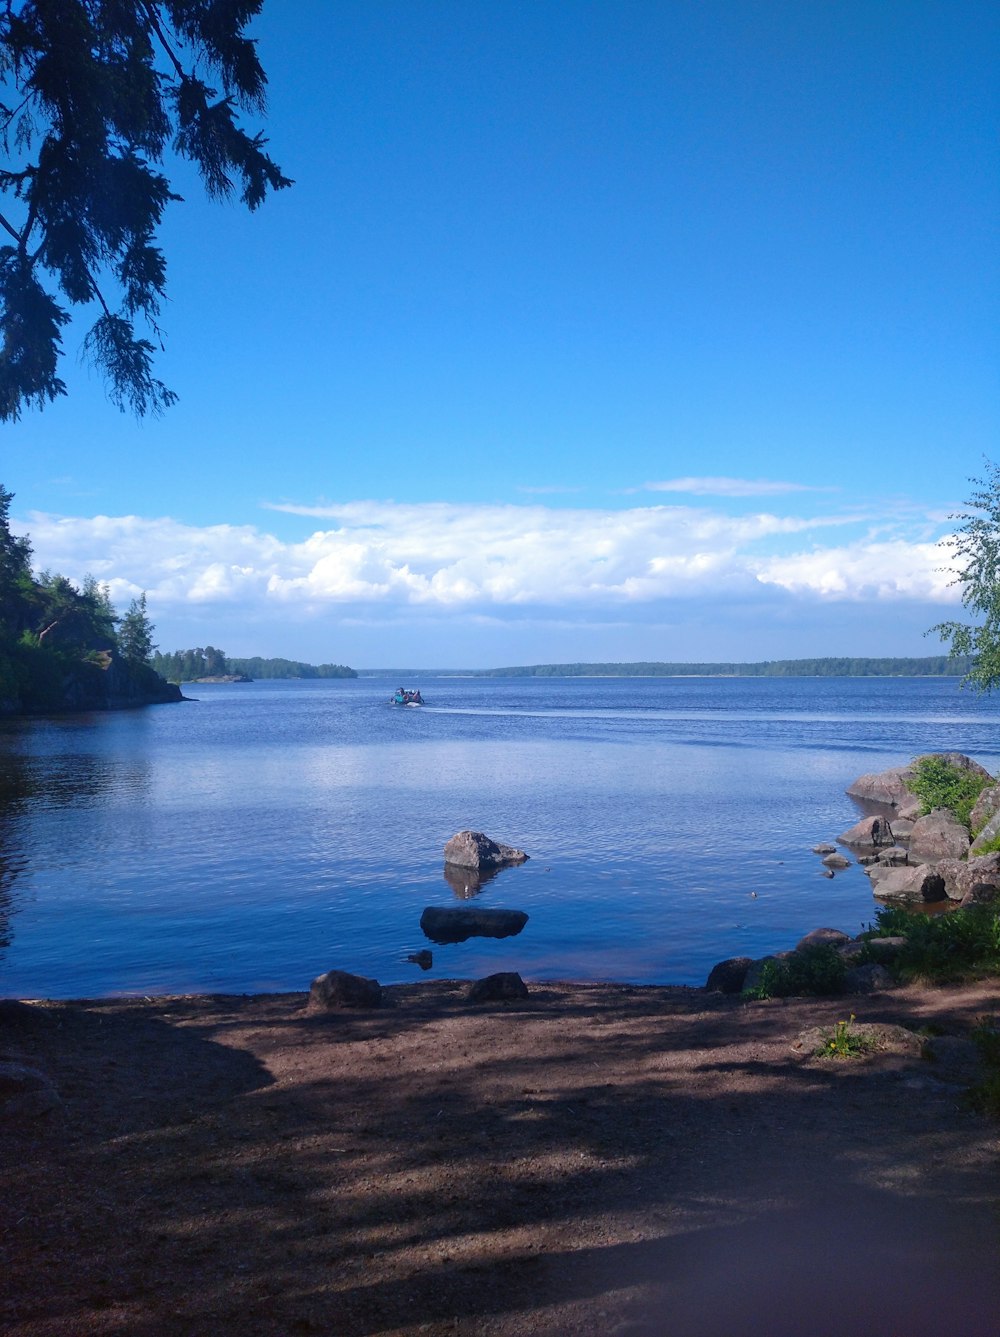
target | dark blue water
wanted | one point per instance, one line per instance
(271, 831)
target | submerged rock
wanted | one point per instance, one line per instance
(836, 861)
(455, 924)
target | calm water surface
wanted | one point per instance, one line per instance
(267, 832)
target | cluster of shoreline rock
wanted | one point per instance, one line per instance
(910, 857)
(471, 859)
(915, 858)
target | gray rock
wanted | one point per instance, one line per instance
(982, 893)
(337, 989)
(729, 976)
(836, 861)
(502, 987)
(921, 883)
(822, 936)
(902, 827)
(961, 875)
(824, 849)
(875, 872)
(893, 856)
(850, 951)
(987, 805)
(473, 849)
(952, 871)
(987, 830)
(891, 787)
(939, 835)
(26, 1093)
(886, 948)
(457, 923)
(886, 787)
(869, 833)
(869, 978)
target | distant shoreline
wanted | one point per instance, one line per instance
(931, 666)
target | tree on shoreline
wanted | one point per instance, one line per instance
(135, 634)
(101, 90)
(977, 549)
(63, 647)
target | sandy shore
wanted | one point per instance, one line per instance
(596, 1159)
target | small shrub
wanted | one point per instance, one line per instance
(939, 784)
(946, 948)
(843, 1042)
(814, 970)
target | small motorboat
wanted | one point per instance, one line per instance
(404, 697)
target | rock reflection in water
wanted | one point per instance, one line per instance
(468, 882)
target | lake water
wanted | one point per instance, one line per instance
(270, 831)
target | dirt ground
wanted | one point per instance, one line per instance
(596, 1159)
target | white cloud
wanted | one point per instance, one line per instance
(866, 571)
(730, 487)
(482, 560)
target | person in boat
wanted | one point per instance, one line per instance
(400, 698)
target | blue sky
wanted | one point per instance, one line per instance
(620, 330)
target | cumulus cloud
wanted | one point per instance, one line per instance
(730, 487)
(865, 571)
(481, 560)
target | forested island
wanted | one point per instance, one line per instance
(66, 648)
(209, 662)
(933, 666)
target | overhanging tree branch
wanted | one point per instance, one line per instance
(103, 112)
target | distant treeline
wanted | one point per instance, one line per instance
(934, 666)
(208, 662)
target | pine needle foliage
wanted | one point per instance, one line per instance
(93, 95)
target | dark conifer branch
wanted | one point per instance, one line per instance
(154, 22)
(104, 113)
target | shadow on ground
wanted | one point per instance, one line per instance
(597, 1159)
